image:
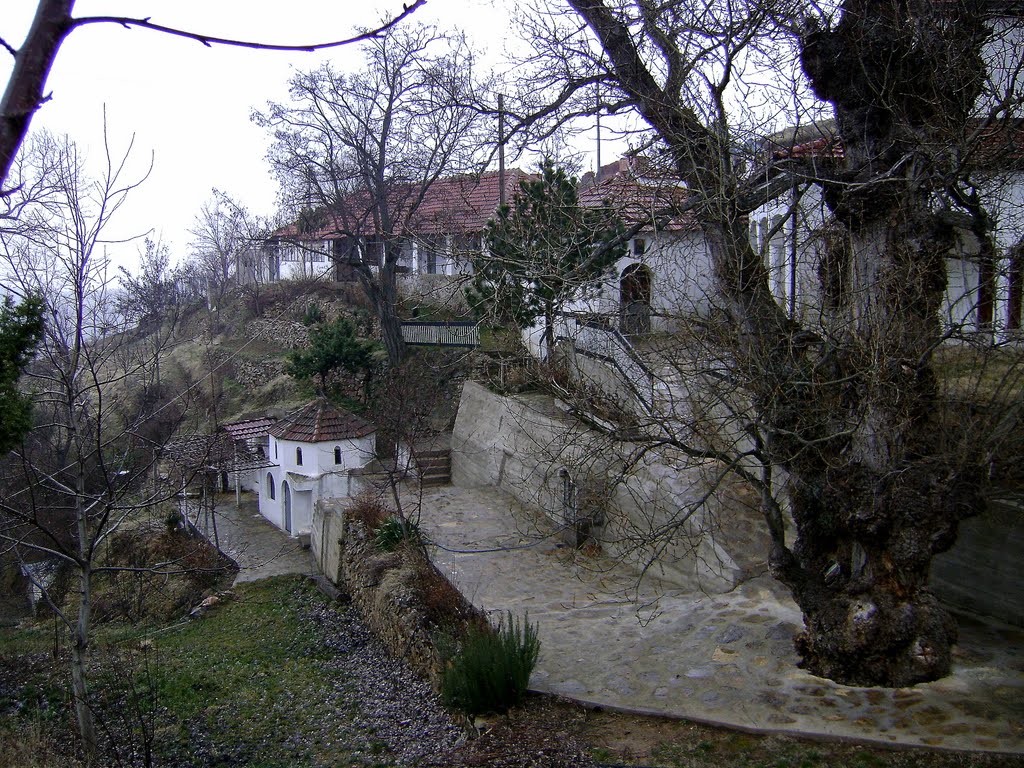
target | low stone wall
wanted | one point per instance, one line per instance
(290, 335)
(391, 589)
(254, 374)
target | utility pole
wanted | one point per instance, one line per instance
(501, 149)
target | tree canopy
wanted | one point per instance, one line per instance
(333, 347)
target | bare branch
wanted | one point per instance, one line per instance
(211, 40)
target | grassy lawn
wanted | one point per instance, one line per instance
(251, 683)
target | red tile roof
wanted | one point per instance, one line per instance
(989, 146)
(463, 204)
(244, 430)
(321, 422)
(639, 199)
(450, 206)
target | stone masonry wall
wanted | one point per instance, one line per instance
(386, 587)
(982, 572)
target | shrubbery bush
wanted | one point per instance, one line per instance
(394, 532)
(488, 671)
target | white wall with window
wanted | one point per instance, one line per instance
(305, 472)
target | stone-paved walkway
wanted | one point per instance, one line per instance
(724, 659)
(260, 549)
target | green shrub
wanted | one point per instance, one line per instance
(490, 670)
(314, 315)
(393, 532)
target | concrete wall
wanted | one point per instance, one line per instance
(652, 509)
(982, 572)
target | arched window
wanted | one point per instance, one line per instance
(635, 300)
(337, 454)
(270, 486)
(298, 456)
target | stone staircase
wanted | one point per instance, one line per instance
(434, 466)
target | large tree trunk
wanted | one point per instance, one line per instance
(872, 508)
(850, 411)
(382, 292)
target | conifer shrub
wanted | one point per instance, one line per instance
(489, 669)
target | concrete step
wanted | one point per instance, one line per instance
(441, 453)
(435, 467)
(431, 463)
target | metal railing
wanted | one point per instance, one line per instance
(596, 338)
(442, 334)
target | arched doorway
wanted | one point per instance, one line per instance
(286, 500)
(635, 300)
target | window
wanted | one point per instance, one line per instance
(432, 248)
(337, 454)
(275, 449)
(298, 456)
(373, 251)
(639, 247)
(270, 486)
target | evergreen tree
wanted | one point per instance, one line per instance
(21, 329)
(542, 250)
(332, 347)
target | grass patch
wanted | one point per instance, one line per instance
(248, 684)
(394, 532)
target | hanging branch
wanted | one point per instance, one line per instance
(53, 22)
(209, 40)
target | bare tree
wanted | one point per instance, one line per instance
(359, 152)
(79, 476)
(843, 423)
(53, 22)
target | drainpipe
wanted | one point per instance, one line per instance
(793, 249)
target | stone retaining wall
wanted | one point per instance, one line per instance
(386, 587)
(652, 510)
(288, 334)
(982, 572)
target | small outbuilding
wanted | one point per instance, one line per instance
(314, 453)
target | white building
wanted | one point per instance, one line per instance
(796, 237)
(315, 454)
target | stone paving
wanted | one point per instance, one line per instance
(260, 548)
(724, 659)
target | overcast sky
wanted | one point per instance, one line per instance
(188, 106)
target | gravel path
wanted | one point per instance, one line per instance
(398, 709)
